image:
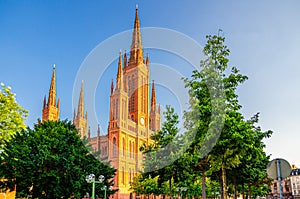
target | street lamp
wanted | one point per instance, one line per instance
(91, 179)
(180, 190)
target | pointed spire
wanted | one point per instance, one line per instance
(120, 73)
(52, 90)
(112, 86)
(125, 59)
(89, 132)
(98, 130)
(58, 103)
(153, 97)
(120, 65)
(147, 60)
(80, 111)
(136, 50)
(44, 104)
(74, 115)
(158, 108)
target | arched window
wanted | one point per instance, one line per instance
(129, 149)
(123, 175)
(129, 93)
(132, 94)
(117, 108)
(114, 147)
(133, 150)
(129, 175)
(123, 143)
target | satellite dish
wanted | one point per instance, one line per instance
(285, 168)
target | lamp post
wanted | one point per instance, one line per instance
(180, 190)
(91, 179)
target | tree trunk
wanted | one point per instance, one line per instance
(243, 190)
(170, 186)
(235, 187)
(224, 182)
(221, 187)
(249, 191)
(203, 184)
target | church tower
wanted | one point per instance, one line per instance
(80, 119)
(51, 108)
(130, 118)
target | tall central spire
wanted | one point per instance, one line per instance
(136, 49)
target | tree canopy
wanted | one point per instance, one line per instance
(51, 161)
(12, 115)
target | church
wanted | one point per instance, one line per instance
(133, 117)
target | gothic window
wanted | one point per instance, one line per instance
(123, 140)
(132, 94)
(129, 149)
(129, 93)
(129, 176)
(123, 109)
(117, 108)
(114, 147)
(123, 175)
(133, 150)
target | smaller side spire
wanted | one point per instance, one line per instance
(98, 130)
(45, 103)
(58, 104)
(120, 73)
(147, 60)
(125, 59)
(153, 97)
(120, 65)
(52, 90)
(89, 133)
(80, 111)
(112, 87)
(74, 115)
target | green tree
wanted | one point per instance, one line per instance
(145, 186)
(220, 136)
(251, 173)
(12, 115)
(51, 161)
(161, 157)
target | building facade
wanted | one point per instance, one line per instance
(295, 182)
(133, 117)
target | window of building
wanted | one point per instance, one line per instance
(129, 176)
(129, 93)
(123, 143)
(123, 175)
(132, 94)
(130, 152)
(117, 108)
(114, 147)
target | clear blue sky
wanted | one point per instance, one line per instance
(263, 37)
